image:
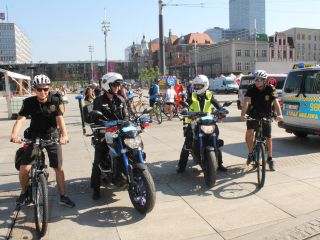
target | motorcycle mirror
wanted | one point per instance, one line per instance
(96, 115)
(226, 104)
(184, 104)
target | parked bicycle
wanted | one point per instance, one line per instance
(139, 105)
(38, 183)
(259, 150)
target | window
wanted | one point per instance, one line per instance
(309, 37)
(303, 37)
(312, 83)
(238, 52)
(298, 36)
(247, 53)
(284, 54)
(291, 55)
(272, 53)
(238, 66)
(315, 46)
(315, 38)
(264, 53)
(280, 42)
(279, 55)
(284, 42)
(247, 66)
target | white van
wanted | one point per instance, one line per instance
(225, 84)
(276, 80)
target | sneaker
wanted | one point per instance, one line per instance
(222, 168)
(66, 201)
(271, 164)
(250, 158)
(96, 194)
(22, 199)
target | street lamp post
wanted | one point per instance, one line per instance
(91, 50)
(105, 29)
(161, 40)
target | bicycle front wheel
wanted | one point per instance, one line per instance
(157, 113)
(41, 206)
(260, 159)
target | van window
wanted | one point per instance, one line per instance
(293, 83)
(246, 81)
(277, 82)
(229, 82)
(312, 84)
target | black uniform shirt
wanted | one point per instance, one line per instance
(43, 115)
(261, 101)
(114, 109)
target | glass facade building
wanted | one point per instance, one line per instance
(242, 14)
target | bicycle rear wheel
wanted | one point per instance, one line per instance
(41, 206)
(157, 113)
(260, 160)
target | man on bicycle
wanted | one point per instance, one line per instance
(260, 96)
(154, 93)
(200, 101)
(46, 110)
(113, 107)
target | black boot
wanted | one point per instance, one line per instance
(222, 168)
(271, 164)
(96, 194)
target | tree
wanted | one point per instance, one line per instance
(147, 75)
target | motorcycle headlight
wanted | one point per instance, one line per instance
(133, 142)
(207, 129)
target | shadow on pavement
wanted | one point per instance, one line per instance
(296, 145)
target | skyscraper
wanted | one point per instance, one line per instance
(243, 12)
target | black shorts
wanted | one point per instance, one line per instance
(151, 102)
(54, 154)
(266, 127)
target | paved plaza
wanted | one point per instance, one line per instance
(287, 207)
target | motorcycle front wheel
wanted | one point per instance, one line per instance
(210, 168)
(142, 191)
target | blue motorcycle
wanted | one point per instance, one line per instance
(126, 158)
(206, 143)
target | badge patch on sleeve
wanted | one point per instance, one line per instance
(267, 97)
(53, 108)
(61, 108)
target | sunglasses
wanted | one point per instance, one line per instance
(42, 89)
(259, 80)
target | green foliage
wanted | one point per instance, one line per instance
(147, 75)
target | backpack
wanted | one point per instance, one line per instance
(151, 89)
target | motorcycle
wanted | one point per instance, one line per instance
(125, 157)
(206, 143)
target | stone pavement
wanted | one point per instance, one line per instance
(288, 207)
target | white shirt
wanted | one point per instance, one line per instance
(170, 94)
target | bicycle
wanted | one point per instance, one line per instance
(140, 105)
(259, 150)
(38, 184)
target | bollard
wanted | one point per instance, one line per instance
(79, 98)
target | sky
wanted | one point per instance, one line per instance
(62, 30)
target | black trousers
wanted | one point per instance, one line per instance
(101, 149)
(191, 143)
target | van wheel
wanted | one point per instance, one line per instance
(300, 134)
(226, 91)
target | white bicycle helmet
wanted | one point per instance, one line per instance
(198, 81)
(40, 80)
(111, 78)
(261, 74)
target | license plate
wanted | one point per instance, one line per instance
(292, 107)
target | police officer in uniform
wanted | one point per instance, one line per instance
(46, 110)
(200, 101)
(259, 100)
(113, 107)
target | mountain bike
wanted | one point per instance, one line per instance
(259, 150)
(139, 105)
(38, 183)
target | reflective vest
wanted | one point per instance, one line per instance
(195, 105)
